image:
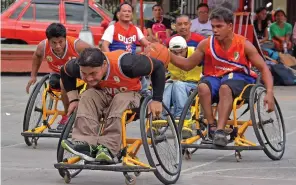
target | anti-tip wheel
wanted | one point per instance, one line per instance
(137, 174)
(238, 156)
(67, 177)
(130, 180)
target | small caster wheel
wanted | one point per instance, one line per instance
(187, 154)
(238, 156)
(67, 177)
(137, 174)
(34, 142)
(130, 180)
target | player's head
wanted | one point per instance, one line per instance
(125, 12)
(56, 35)
(178, 46)
(157, 10)
(93, 65)
(183, 25)
(222, 22)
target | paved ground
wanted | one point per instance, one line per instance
(24, 165)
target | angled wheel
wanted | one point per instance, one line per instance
(189, 119)
(269, 127)
(63, 155)
(162, 148)
(33, 111)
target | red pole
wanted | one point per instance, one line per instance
(121, 1)
(141, 15)
(142, 19)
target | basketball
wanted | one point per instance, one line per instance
(160, 52)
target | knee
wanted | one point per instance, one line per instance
(88, 94)
(54, 81)
(203, 90)
(225, 91)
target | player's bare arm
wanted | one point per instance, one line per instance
(195, 59)
(37, 60)
(259, 63)
(81, 45)
(105, 46)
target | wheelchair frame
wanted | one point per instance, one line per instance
(239, 127)
(130, 148)
(46, 110)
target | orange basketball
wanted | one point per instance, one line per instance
(160, 52)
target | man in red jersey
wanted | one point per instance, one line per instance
(58, 48)
(227, 61)
(183, 25)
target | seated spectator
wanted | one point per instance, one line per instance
(280, 32)
(202, 24)
(180, 83)
(159, 28)
(183, 25)
(260, 25)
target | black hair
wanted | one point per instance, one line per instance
(260, 9)
(119, 8)
(91, 57)
(222, 13)
(55, 30)
(202, 5)
(182, 15)
(278, 11)
(156, 5)
(115, 18)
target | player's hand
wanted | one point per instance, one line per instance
(147, 50)
(269, 101)
(72, 107)
(155, 107)
(32, 81)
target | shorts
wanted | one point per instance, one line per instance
(54, 82)
(236, 82)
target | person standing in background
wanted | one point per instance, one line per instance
(159, 28)
(201, 24)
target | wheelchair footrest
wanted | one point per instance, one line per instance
(31, 134)
(211, 146)
(116, 168)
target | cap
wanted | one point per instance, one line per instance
(177, 42)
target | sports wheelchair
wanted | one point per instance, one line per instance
(166, 165)
(269, 128)
(42, 110)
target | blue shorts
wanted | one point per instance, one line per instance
(236, 82)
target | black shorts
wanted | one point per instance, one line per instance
(54, 81)
(235, 81)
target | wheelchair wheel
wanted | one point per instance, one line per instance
(62, 154)
(33, 111)
(162, 149)
(194, 119)
(269, 127)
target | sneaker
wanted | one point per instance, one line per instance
(220, 138)
(103, 155)
(79, 148)
(60, 127)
